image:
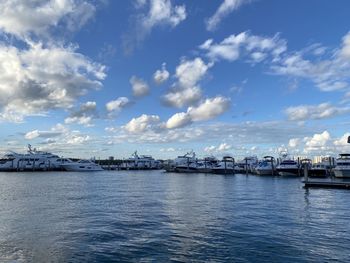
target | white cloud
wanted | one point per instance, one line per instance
(161, 75)
(182, 97)
(178, 120)
(329, 72)
(309, 112)
(38, 79)
(226, 7)
(84, 116)
(139, 87)
(78, 139)
(294, 142)
(318, 140)
(186, 90)
(162, 12)
(256, 48)
(223, 147)
(142, 123)
(118, 104)
(345, 49)
(41, 134)
(342, 141)
(23, 18)
(82, 120)
(209, 109)
(152, 14)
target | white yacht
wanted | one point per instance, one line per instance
(319, 170)
(182, 163)
(82, 166)
(140, 162)
(288, 167)
(267, 166)
(342, 168)
(248, 164)
(32, 160)
(226, 166)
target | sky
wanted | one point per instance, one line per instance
(100, 78)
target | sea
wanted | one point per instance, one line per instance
(153, 216)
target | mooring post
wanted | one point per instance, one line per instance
(246, 166)
(272, 166)
(225, 166)
(306, 172)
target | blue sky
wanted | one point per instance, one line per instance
(104, 78)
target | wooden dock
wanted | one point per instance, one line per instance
(327, 184)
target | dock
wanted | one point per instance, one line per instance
(327, 184)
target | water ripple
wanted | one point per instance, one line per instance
(157, 217)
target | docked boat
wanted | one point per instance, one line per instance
(267, 166)
(248, 164)
(319, 170)
(206, 165)
(288, 167)
(140, 162)
(225, 166)
(32, 160)
(82, 166)
(342, 168)
(181, 162)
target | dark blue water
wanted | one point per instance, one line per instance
(158, 217)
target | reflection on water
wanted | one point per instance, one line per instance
(154, 216)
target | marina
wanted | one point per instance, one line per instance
(331, 171)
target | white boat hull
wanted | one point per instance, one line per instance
(265, 172)
(82, 168)
(289, 172)
(342, 173)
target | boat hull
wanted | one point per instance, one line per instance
(223, 171)
(318, 173)
(342, 173)
(186, 169)
(265, 172)
(81, 168)
(288, 172)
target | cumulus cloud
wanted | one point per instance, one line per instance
(208, 109)
(226, 7)
(255, 48)
(23, 18)
(139, 87)
(84, 115)
(294, 142)
(223, 147)
(151, 14)
(142, 123)
(161, 75)
(186, 91)
(38, 79)
(178, 120)
(118, 104)
(162, 12)
(317, 141)
(309, 112)
(342, 141)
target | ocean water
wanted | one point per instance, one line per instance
(151, 216)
